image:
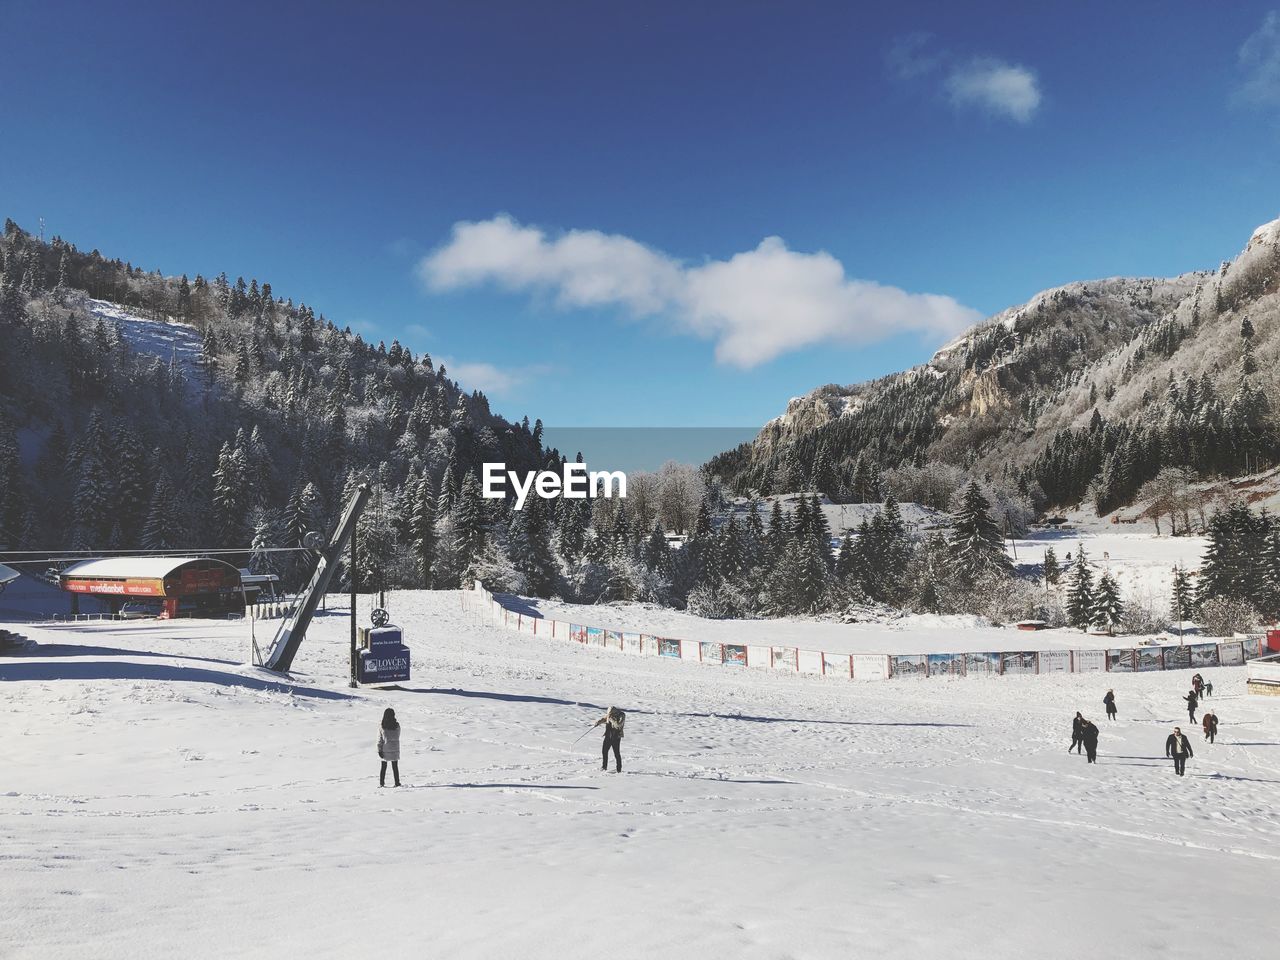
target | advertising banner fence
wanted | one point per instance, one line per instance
(837, 665)
(1055, 661)
(1120, 661)
(809, 661)
(1149, 658)
(877, 666)
(870, 666)
(782, 658)
(1025, 661)
(1089, 661)
(946, 664)
(909, 665)
(1204, 654)
(981, 664)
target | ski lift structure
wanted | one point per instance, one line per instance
(378, 653)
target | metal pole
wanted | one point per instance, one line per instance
(354, 655)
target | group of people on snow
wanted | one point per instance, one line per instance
(1084, 733)
(614, 721)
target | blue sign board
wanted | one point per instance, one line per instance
(383, 666)
(384, 639)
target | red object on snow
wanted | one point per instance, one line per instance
(1273, 639)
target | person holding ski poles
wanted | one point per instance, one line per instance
(614, 720)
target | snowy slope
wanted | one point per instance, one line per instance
(168, 341)
(157, 796)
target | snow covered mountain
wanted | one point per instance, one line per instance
(1158, 372)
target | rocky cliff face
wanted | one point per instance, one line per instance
(1003, 388)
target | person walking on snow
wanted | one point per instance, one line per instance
(1110, 701)
(1210, 723)
(614, 720)
(1178, 747)
(1077, 740)
(1197, 684)
(1089, 734)
(1208, 688)
(389, 746)
(1192, 701)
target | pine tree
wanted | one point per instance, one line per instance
(1107, 608)
(1052, 572)
(1182, 597)
(424, 531)
(94, 493)
(1080, 596)
(977, 546)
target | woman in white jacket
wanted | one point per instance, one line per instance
(389, 746)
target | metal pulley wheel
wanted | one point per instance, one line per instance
(380, 617)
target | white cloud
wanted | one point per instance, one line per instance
(913, 55)
(1259, 59)
(755, 306)
(491, 379)
(1000, 88)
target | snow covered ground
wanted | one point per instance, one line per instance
(157, 796)
(164, 340)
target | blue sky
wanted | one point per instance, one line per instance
(571, 204)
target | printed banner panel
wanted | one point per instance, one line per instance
(809, 661)
(1177, 658)
(631, 643)
(1151, 658)
(1089, 661)
(613, 639)
(981, 664)
(595, 637)
(909, 665)
(1204, 654)
(711, 652)
(688, 650)
(783, 658)
(668, 647)
(1055, 661)
(870, 666)
(648, 645)
(577, 633)
(1252, 647)
(759, 657)
(735, 653)
(1019, 662)
(1120, 661)
(946, 664)
(837, 665)
(1231, 653)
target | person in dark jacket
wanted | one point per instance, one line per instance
(1208, 688)
(1192, 702)
(1178, 747)
(389, 746)
(1210, 724)
(1110, 701)
(1089, 734)
(1197, 684)
(613, 720)
(1077, 741)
